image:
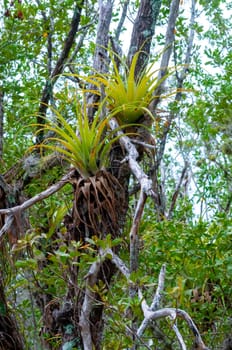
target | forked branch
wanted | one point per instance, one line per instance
(154, 312)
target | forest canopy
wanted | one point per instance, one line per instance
(116, 174)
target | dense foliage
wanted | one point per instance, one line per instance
(57, 106)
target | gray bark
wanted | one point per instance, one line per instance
(143, 31)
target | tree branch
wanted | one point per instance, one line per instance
(100, 59)
(156, 300)
(180, 80)
(187, 61)
(134, 240)
(174, 314)
(170, 37)
(91, 279)
(47, 91)
(11, 212)
(177, 191)
(151, 313)
(119, 264)
(179, 337)
(122, 20)
(145, 182)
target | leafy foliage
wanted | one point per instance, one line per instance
(86, 146)
(51, 259)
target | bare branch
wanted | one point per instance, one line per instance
(8, 222)
(122, 20)
(119, 264)
(170, 37)
(39, 197)
(69, 40)
(91, 279)
(160, 288)
(145, 182)
(80, 41)
(150, 313)
(179, 337)
(156, 301)
(100, 55)
(134, 239)
(187, 61)
(173, 314)
(180, 78)
(177, 191)
(145, 145)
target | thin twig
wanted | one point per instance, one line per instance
(177, 191)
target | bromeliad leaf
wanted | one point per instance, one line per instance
(88, 148)
(127, 96)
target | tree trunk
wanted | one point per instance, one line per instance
(10, 337)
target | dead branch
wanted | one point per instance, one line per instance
(151, 313)
(134, 240)
(145, 182)
(187, 61)
(11, 212)
(156, 300)
(91, 279)
(181, 76)
(173, 314)
(179, 337)
(121, 266)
